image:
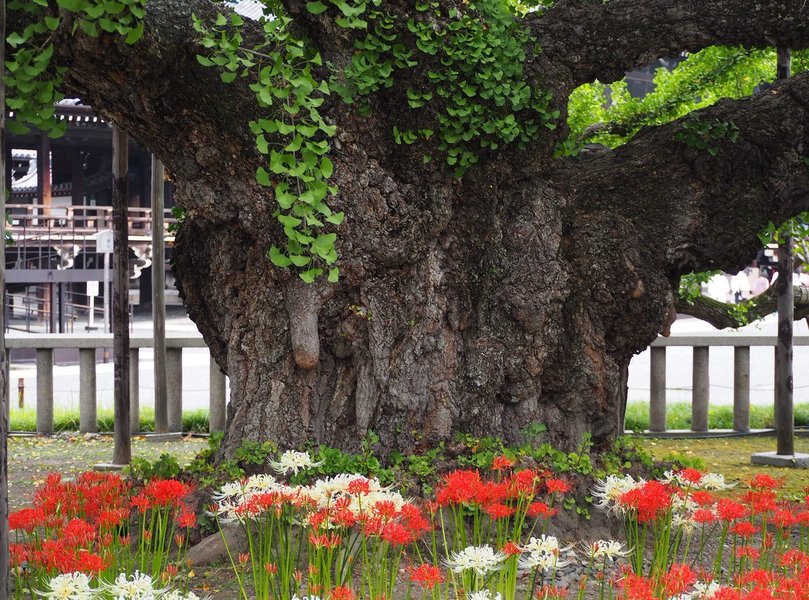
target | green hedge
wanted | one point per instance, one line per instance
(678, 416)
(195, 421)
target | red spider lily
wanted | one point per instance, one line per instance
(499, 511)
(427, 576)
(90, 563)
(414, 520)
(166, 492)
(316, 520)
(343, 518)
(141, 503)
(271, 569)
(459, 487)
(748, 552)
(727, 593)
(113, 518)
(783, 519)
(492, 492)
(552, 592)
(79, 533)
(396, 534)
(187, 519)
(372, 526)
(358, 486)
(636, 587)
(342, 592)
(323, 540)
(557, 486)
(26, 519)
(729, 510)
(762, 481)
(744, 529)
(541, 510)
(794, 558)
(690, 475)
(704, 516)
(703, 498)
(760, 501)
(385, 509)
(510, 549)
(524, 482)
(502, 463)
(678, 579)
(649, 501)
(761, 578)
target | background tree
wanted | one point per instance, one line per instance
(487, 280)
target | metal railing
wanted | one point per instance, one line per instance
(87, 347)
(700, 394)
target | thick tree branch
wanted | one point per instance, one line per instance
(722, 315)
(181, 111)
(693, 211)
(602, 40)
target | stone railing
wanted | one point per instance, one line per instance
(700, 399)
(88, 346)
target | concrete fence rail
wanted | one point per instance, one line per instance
(87, 345)
(700, 399)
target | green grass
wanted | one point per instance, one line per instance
(731, 457)
(195, 421)
(678, 416)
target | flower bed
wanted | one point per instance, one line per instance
(95, 537)
(482, 535)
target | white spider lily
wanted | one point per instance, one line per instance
(607, 491)
(481, 559)
(715, 482)
(292, 461)
(178, 595)
(705, 591)
(605, 549)
(138, 587)
(70, 586)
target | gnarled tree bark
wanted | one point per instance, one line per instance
(516, 295)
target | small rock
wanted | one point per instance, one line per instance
(212, 548)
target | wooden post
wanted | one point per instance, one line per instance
(122, 454)
(88, 411)
(217, 414)
(174, 388)
(44, 190)
(741, 388)
(5, 402)
(134, 391)
(657, 385)
(44, 390)
(161, 419)
(784, 417)
(701, 389)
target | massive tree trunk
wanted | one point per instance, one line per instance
(513, 296)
